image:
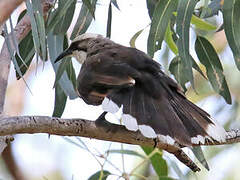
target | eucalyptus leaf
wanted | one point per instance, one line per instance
(160, 19)
(134, 38)
(169, 40)
(90, 6)
(65, 22)
(158, 163)
(55, 44)
(209, 58)
(34, 26)
(60, 101)
(58, 14)
(84, 20)
(100, 175)
(176, 67)
(197, 151)
(26, 51)
(184, 15)
(231, 22)
(151, 4)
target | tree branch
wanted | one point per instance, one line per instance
(7, 7)
(91, 129)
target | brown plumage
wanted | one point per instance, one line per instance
(131, 79)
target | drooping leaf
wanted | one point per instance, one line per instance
(169, 40)
(42, 35)
(128, 152)
(57, 15)
(34, 10)
(184, 15)
(64, 23)
(11, 52)
(231, 22)
(71, 74)
(109, 20)
(34, 26)
(151, 4)
(158, 163)
(21, 15)
(100, 175)
(160, 19)
(59, 102)
(69, 68)
(134, 38)
(55, 44)
(209, 58)
(201, 24)
(197, 151)
(176, 67)
(90, 6)
(26, 51)
(84, 20)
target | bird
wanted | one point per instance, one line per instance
(125, 79)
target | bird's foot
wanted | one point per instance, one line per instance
(102, 122)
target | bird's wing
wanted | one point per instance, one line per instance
(152, 102)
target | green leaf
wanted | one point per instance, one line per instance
(158, 163)
(100, 175)
(90, 6)
(109, 20)
(42, 35)
(26, 51)
(71, 74)
(57, 15)
(134, 38)
(128, 152)
(209, 58)
(197, 151)
(84, 20)
(21, 15)
(176, 67)
(69, 68)
(231, 22)
(201, 24)
(55, 44)
(64, 23)
(184, 15)
(60, 101)
(169, 40)
(151, 6)
(161, 17)
(34, 26)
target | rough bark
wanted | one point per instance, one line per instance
(102, 131)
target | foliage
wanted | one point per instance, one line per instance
(171, 21)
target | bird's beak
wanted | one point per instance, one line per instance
(65, 53)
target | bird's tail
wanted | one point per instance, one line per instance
(172, 118)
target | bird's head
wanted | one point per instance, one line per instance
(78, 47)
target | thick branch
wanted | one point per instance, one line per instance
(91, 129)
(7, 7)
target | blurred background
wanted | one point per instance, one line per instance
(41, 157)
